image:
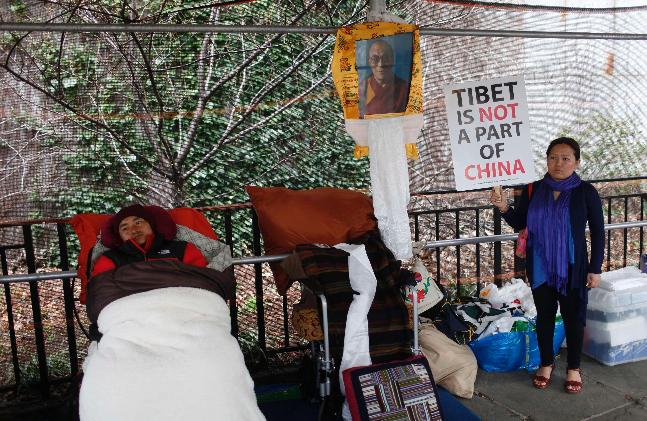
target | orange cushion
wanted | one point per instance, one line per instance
(194, 220)
(319, 216)
(87, 227)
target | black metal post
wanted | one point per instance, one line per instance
(519, 265)
(624, 233)
(609, 235)
(458, 256)
(12, 327)
(36, 311)
(286, 324)
(478, 254)
(233, 305)
(68, 297)
(258, 276)
(437, 249)
(497, 248)
(642, 216)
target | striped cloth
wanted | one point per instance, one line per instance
(396, 391)
(327, 270)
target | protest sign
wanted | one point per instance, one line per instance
(489, 133)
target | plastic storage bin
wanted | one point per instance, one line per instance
(616, 325)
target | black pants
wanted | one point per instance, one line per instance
(546, 299)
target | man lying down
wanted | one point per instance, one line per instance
(165, 351)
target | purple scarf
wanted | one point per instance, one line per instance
(548, 228)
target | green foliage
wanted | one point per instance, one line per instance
(250, 305)
(610, 147)
(58, 366)
(254, 356)
(18, 7)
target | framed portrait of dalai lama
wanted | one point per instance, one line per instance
(377, 70)
(384, 74)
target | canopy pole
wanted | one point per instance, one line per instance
(377, 13)
(376, 6)
(312, 30)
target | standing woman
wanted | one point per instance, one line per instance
(557, 264)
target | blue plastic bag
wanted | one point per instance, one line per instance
(511, 351)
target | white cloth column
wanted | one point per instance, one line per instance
(356, 342)
(390, 184)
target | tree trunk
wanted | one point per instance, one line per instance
(164, 191)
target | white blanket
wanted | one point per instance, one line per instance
(167, 354)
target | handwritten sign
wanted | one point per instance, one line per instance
(489, 133)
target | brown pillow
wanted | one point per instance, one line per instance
(318, 216)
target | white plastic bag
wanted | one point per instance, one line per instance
(513, 293)
(491, 294)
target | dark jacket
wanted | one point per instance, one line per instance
(163, 249)
(585, 207)
(326, 269)
(160, 249)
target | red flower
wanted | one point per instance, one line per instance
(421, 295)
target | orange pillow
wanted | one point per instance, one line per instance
(319, 216)
(193, 219)
(87, 227)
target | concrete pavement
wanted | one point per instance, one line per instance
(609, 393)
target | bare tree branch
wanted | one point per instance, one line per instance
(80, 114)
(103, 12)
(256, 126)
(138, 82)
(202, 101)
(160, 101)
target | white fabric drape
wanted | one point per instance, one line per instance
(356, 342)
(390, 184)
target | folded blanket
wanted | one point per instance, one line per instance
(167, 354)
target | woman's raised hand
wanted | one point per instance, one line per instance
(593, 280)
(499, 198)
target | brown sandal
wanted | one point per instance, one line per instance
(573, 386)
(541, 382)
